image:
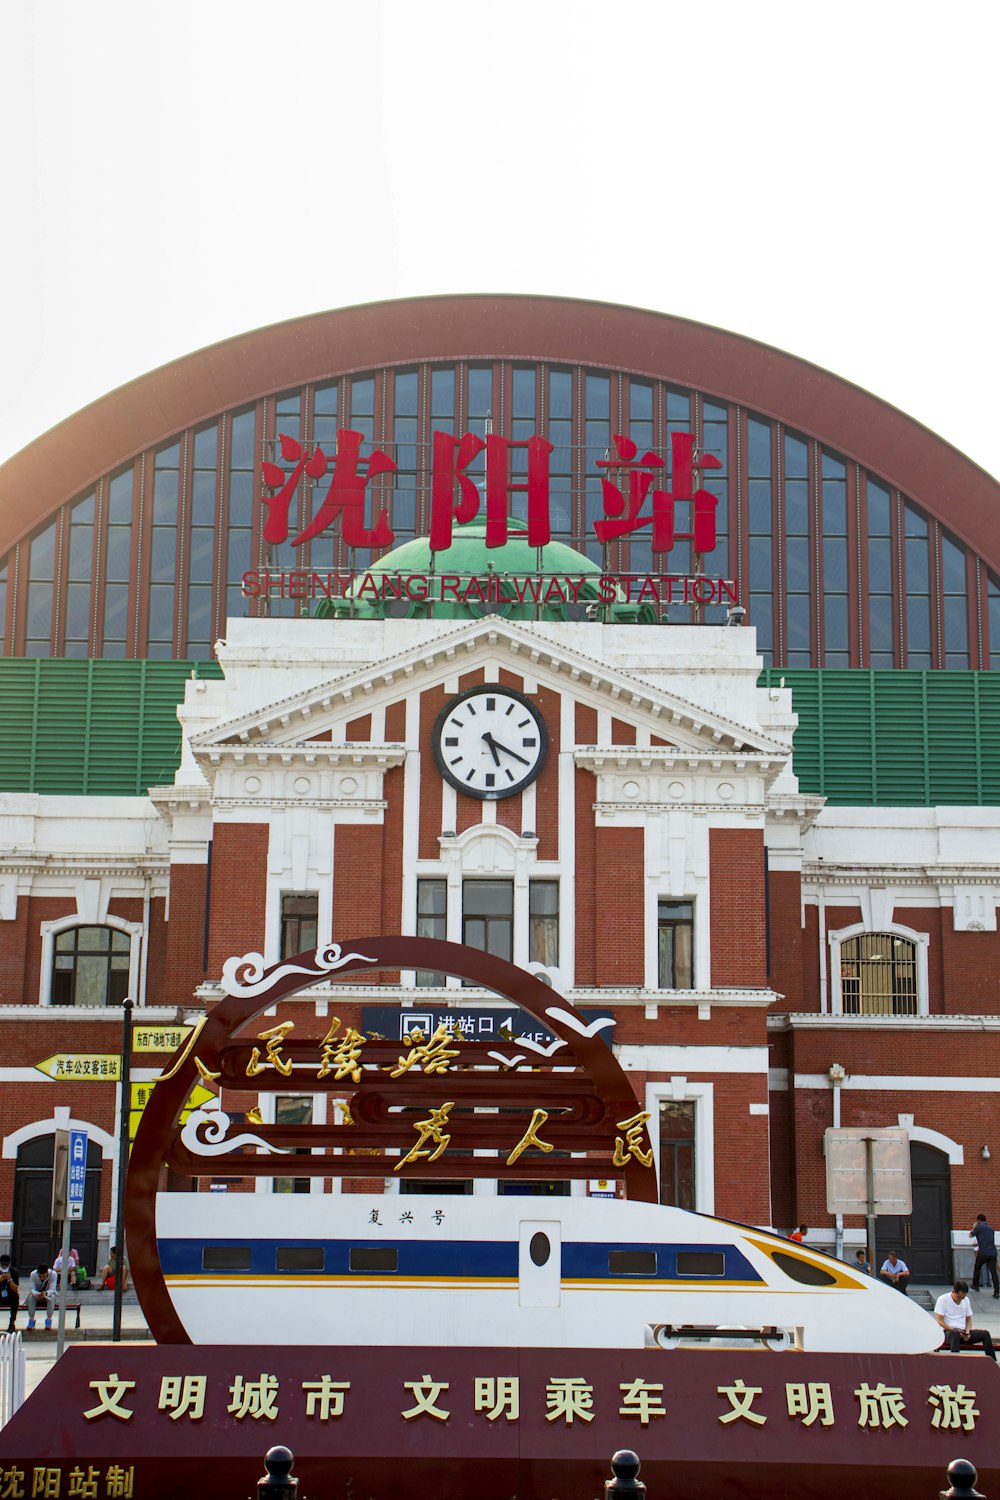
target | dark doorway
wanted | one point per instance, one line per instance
(35, 1238)
(922, 1238)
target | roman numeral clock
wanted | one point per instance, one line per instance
(490, 742)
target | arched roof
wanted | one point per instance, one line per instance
(860, 426)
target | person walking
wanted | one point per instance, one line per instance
(984, 1235)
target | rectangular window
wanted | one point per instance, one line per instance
(632, 1262)
(677, 1185)
(675, 934)
(225, 1258)
(543, 922)
(432, 921)
(488, 916)
(299, 923)
(300, 1258)
(293, 1109)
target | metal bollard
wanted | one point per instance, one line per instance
(625, 1485)
(962, 1475)
(277, 1483)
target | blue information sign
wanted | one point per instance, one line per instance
(471, 1023)
(76, 1184)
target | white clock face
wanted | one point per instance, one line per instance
(490, 743)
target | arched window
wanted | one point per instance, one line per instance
(878, 975)
(90, 966)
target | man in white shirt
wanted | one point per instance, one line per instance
(896, 1272)
(954, 1313)
(42, 1288)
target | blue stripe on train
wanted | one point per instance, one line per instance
(581, 1260)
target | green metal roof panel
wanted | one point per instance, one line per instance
(896, 739)
(92, 728)
(907, 739)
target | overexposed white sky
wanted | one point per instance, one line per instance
(824, 179)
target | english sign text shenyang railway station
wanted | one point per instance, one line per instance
(626, 486)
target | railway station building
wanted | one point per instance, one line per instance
(732, 626)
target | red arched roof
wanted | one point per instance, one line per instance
(142, 414)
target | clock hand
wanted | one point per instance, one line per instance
(507, 751)
(493, 748)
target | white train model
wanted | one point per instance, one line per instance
(355, 1269)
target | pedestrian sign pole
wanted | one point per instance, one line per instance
(69, 1186)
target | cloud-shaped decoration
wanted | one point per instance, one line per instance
(213, 1141)
(580, 1027)
(252, 965)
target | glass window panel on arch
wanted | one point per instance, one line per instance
(761, 540)
(993, 620)
(404, 452)
(715, 441)
(833, 530)
(163, 552)
(80, 573)
(881, 615)
(798, 553)
(955, 605)
(917, 558)
(239, 534)
(596, 446)
(41, 572)
(285, 556)
(201, 560)
(559, 431)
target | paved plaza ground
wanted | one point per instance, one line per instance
(97, 1312)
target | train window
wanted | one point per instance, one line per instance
(539, 1249)
(225, 1258)
(802, 1270)
(300, 1258)
(701, 1263)
(373, 1258)
(632, 1262)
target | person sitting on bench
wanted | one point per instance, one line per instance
(42, 1288)
(954, 1313)
(10, 1294)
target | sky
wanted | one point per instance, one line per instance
(822, 179)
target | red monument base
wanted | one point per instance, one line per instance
(127, 1422)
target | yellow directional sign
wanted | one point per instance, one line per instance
(140, 1094)
(159, 1038)
(99, 1067)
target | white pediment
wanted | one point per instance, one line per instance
(290, 726)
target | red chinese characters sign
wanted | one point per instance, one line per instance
(632, 500)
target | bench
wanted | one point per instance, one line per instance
(43, 1307)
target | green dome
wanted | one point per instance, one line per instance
(530, 582)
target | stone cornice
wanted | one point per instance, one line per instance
(363, 756)
(457, 998)
(815, 873)
(610, 758)
(87, 866)
(811, 1020)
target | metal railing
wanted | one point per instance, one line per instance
(11, 1375)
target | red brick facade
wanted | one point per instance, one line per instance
(765, 936)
